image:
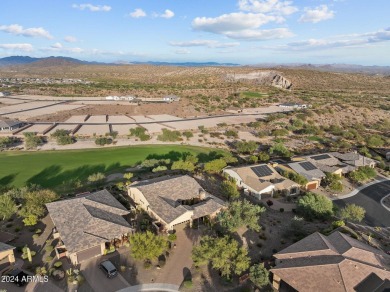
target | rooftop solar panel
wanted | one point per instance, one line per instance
(308, 166)
(262, 170)
(321, 157)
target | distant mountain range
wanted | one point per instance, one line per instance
(53, 61)
(63, 61)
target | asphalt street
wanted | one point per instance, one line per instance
(369, 198)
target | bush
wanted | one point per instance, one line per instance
(103, 141)
(48, 259)
(270, 203)
(38, 231)
(172, 237)
(169, 136)
(188, 134)
(315, 206)
(281, 210)
(363, 174)
(337, 224)
(57, 264)
(35, 236)
(49, 248)
(147, 265)
(187, 284)
(231, 133)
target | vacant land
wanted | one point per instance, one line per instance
(52, 168)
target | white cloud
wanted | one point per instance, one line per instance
(317, 14)
(267, 6)
(91, 7)
(245, 26)
(353, 40)
(167, 14)
(259, 35)
(182, 52)
(56, 46)
(17, 47)
(137, 13)
(204, 43)
(70, 39)
(17, 29)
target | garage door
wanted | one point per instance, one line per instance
(88, 253)
(312, 186)
(181, 226)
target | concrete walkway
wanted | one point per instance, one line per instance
(152, 287)
(357, 190)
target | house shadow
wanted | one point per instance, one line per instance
(55, 176)
(7, 180)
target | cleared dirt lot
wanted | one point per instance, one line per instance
(97, 119)
(123, 129)
(62, 127)
(120, 119)
(36, 129)
(25, 106)
(154, 128)
(89, 130)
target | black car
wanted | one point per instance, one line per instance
(18, 277)
(109, 269)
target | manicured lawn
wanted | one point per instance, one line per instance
(52, 168)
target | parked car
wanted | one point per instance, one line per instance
(18, 277)
(108, 268)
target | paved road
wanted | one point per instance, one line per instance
(369, 198)
(96, 278)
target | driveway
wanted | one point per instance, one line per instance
(369, 198)
(179, 262)
(96, 278)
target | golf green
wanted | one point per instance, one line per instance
(53, 168)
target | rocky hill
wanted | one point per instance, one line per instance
(262, 78)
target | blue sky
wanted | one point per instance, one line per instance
(238, 31)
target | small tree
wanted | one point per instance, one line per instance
(240, 213)
(333, 182)
(263, 156)
(352, 212)
(229, 190)
(315, 206)
(183, 165)
(259, 275)
(31, 140)
(7, 207)
(215, 166)
(224, 254)
(147, 246)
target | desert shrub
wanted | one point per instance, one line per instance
(231, 133)
(101, 141)
(57, 264)
(169, 136)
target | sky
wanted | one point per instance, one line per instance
(234, 31)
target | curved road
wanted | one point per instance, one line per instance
(369, 198)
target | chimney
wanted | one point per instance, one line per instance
(202, 194)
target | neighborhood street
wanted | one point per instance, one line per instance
(369, 198)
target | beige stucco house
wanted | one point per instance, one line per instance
(261, 180)
(87, 224)
(175, 201)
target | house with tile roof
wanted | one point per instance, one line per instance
(336, 263)
(311, 172)
(87, 224)
(261, 180)
(354, 159)
(175, 201)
